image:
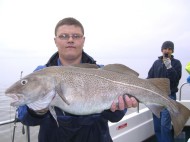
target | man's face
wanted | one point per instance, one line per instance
(167, 51)
(69, 41)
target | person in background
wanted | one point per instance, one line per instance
(69, 39)
(187, 68)
(188, 79)
(166, 66)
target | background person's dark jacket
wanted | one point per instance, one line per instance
(158, 70)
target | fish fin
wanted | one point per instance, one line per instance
(155, 109)
(162, 83)
(179, 117)
(119, 68)
(86, 65)
(59, 91)
(57, 102)
(53, 113)
(63, 113)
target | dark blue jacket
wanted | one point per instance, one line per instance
(188, 79)
(72, 128)
(158, 70)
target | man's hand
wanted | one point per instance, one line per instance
(167, 63)
(124, 102)
(42, 104)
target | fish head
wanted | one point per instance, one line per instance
(29, 89)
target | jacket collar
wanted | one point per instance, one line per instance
(53, 61)
(161, 57)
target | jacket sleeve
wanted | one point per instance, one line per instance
(151, 72)
(29, 117)
(113, 116)
(174, 74)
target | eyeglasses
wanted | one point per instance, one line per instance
(67, 36)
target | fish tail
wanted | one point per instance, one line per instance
(179, 117)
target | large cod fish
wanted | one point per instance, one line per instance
(85, 89)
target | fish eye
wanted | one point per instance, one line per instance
(23, 82)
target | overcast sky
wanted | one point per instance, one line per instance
(115, 31)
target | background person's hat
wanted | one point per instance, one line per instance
(168, 44)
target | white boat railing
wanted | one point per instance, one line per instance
(7, 122)
(15, 121)
(180, 90)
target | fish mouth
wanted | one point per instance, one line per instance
(16, 99)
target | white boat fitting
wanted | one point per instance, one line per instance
(136, 127)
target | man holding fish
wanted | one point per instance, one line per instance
(69, 39)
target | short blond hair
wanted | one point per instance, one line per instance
(69, 21)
